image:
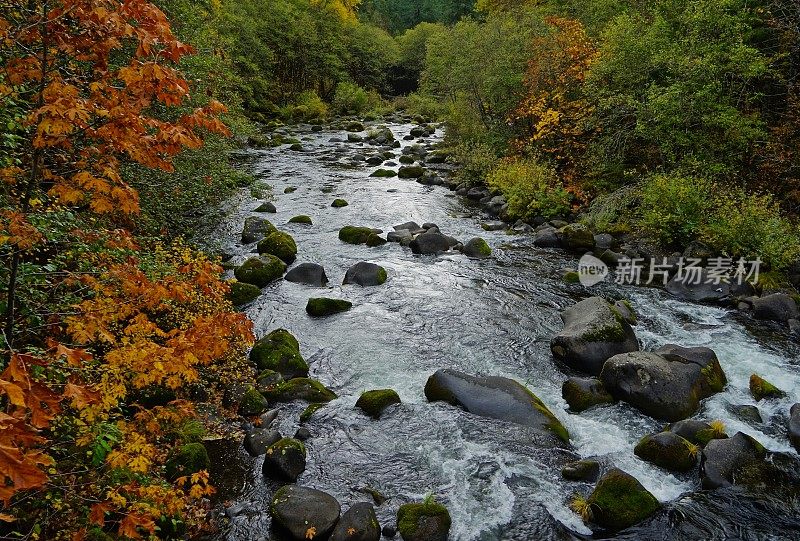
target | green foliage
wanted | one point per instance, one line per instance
(674, 208)
(351, 99)
(398, 15)
(531, 189)
(476, 160)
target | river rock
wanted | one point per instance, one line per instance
(746, 413)
(279, 351)
(578, 238)
(359, 523)
(399, 236)
(339, 203)
(668, 386)
(619, 500)
(257, 441)
(722, 459)
(581, 470)
(260, 271)
(410, 171)
(307, 389)
(256, 228)
(775, 307)
(187, 459)
(279, 244)
(299, 509)
(414, 227)
(498, 398)
(697, 290)
(322, 307)
(593, 332)
(242, 293)
(547, 237)
(374, 402)
(584, 393)
(365, 274)
(761, 388)
(355, 126)
(430, 243)
(427, 521)
(285, 460)
(668, 450)
(359, 235)
(477, 248)
(794, 426)
(252, 403)
(697, 432)
(301, 219)
(310, 274)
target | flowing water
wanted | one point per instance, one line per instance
(487, 317)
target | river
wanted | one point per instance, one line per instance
(488, 317)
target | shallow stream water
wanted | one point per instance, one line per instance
(486, 317)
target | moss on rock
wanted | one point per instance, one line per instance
(279, 351)
(761, 388)
(375, 240)
(285, 459)
(252, 403)
(619, 500)
(256, 228)
(260, 271)
(411, 171)
(668, 450)
(309, 411)
(427, 521)
(279, 244)
(339, 203)
(352, 234)
(242, 293)
(321, 306)
(374, 402)
(584, 393)
(577, 237)
(384, 173)
(571, 277)
(306, 389)
(300, 219)
(186, 460)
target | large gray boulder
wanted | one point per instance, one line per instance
(430, 243)
(498, 398)
(701, 290)
(257, 441)
(775, 307)
(668, 384)
(255, 229)
(547, 237)
(594, 331)
(310, 274)
(722, 459)
(296, 509)
(359, 523)
(365, 274)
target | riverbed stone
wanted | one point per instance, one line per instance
(279, 351)
(410, 171)
(619, 501)
(339, 203)
(430, 244)
(547, 237)
(698, 290)
(775, 307)
(257, 441)
(279, 244)
(374, 402)
(322, 306)
(697, 432)
(384, 173)
(498, 398)
(352, 234)
(593, 332)
(260, 271)
(365, 274)
(187, 459)
(761, 388)
(477, 248)
(577, 238)
(284, 460)
(427, 521)
(256, 228)
(794, 426)
(252, 403)
(584, 393)
(307, 389)
(722, 459)
(305, 513)
(242, 293)
(267, 206)
(399, 236)
(581, 470)
(668, 387)
(747, 413)
(301, 219)
(311, 274)
(359, 523)
(668, 450)
(414, 227)
(268, 380)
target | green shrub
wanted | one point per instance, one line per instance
(675, 208)
(351, 99)
(310, 106)
(476, 160)
(531, 189)
(423, 105)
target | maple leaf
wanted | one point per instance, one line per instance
(311, 532)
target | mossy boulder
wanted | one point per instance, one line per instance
(411, 171)
(406, 160)
(577, 237)
(307, 389)
(355, 127)
(384, 173)
(267, 207)
(267, 380)
(322, 306)
(252, 403)
(309, 411)
(619, 501)
(584, 393)
(359, 523)
(375, 240)
(365, 274)
(187, 459)
(427, 521)
(581, 470)
(697, 432)
(260, 271)
(722, 460)
(285, 460)
(256, 228)
(297, 509)
(477, 248)
(279, 244)
(339, 203)
(571, 277)
(352, 234)
(761, 388)
(374, 402)
(290, 189)
(668, 450)
(279, 351)
(300, 219)
(242, 293)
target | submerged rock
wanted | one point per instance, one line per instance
(698, 290)
(722, 459)
(410, 171)
(581, 470)
(284, 460)
(339, 203)
(384, 173)
(374, 402)
(300, 219)
(594, 331)
(279, 351)
(668, 450)
(359, 523)
(359, 235)
(423, 522)
(365, 274)
(267, 207)
(584, 393)
(260, 271)
(299, 509)
(279, 244)
(321, 306)
(310, 274)
(619, 500)
(761, 388)
(498, 398)
(668, 384)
